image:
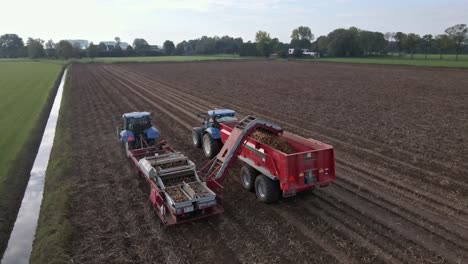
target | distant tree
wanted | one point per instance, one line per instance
(117, 51)
(117, 42)
(378, 42)
(443, 43)
(140, 44)
(237, 42)
(169, 47)
(427, 41)
(365, 41)
(92, 50)
(180, 48)
(50, 44)
(206, 45)
(210, 45)
(321, 45)
(389, 36)
(249, 49)
(458, 34)
(279, 48)
(76, 50)
(302, 32)
(50, 48)
(263, 43)
(227, 45)
(102, 50)
(301, 38)
(35, 48)
(344, 42)
(64, 49)
(11, 45)
(411, 42)
(298, 53)
(129, 51)
(399, 40)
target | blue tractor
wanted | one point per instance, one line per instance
(137, 131)
(209, 136)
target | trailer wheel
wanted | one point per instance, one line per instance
(267, 190)
(211, 146)
(248, 175)
(197, 137)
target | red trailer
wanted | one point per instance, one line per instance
(270, 172)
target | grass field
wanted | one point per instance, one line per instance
(24, 89)
(431, 56)
(53, 231)
(432, 61)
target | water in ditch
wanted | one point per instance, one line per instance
(20, 243)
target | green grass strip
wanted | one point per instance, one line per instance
(53, 233)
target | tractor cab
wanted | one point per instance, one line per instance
(137, 121)
(137, 130)
(214, 117)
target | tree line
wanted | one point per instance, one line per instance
(351, 42)
(355, 42)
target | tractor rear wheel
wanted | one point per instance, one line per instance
(211, 146)
(248, 175)
(197, 137)
(267, 190)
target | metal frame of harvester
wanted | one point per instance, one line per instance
(165, 207)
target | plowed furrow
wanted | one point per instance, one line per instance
(403, 183)
(389, 151)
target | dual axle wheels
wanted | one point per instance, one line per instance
(266, 189)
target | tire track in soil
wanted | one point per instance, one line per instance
(349, 226)
(457, 229)
(158, 93)
(250, 231)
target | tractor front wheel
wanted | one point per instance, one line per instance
(197, 137)
(211, 146)
(127, 147)
(267, 190)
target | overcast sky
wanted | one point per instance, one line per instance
(158, 20)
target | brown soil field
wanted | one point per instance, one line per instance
(400, 136)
